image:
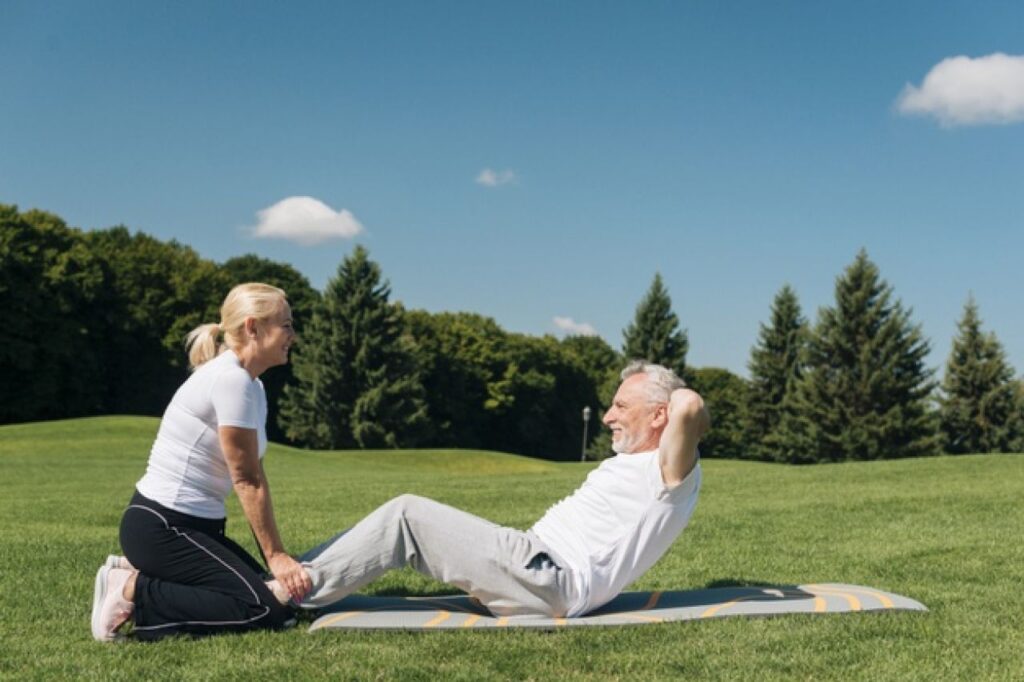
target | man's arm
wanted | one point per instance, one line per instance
(250, 483)
(688, 421)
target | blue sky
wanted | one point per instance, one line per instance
(533, 161)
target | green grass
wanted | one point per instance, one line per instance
(945, 531)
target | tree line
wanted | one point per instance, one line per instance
(97, 320)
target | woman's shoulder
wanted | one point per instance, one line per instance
(225, 369)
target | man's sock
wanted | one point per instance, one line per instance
(279, 591)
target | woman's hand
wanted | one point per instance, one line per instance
(250, 482)
(291, 574)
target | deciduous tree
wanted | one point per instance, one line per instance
(487, 388)
(49, 280)
(603, 365)
(154, 293)
(724, 394)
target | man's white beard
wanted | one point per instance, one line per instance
(628, 443)
(624, 446)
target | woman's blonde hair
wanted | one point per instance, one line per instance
(253, 299)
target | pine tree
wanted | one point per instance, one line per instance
(980, 409)
(776, 365)
(357, 384)
(1018, 444)
(654, 335)
(865, 392)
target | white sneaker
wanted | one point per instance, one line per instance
(116, 561)
(110, 610)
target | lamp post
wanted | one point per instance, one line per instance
(586, 422)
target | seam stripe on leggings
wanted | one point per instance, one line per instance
(266, 609)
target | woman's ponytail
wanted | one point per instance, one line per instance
(202, 345)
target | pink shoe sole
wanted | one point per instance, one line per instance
(109, 611)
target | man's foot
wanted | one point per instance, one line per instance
(110, 610)
(279, 591)
(116, 561)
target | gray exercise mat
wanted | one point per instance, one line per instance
(631, 608)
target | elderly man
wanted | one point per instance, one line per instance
(584, 551)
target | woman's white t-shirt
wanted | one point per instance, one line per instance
(187, 471)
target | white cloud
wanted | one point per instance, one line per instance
(572, 327)
(493, 178)
(305, 220)
(965, 91)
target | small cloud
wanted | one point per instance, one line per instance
(573, 328)
(493, 178)
(965, 91)
(305, 220)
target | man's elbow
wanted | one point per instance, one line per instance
(690, 408)
(704, 420)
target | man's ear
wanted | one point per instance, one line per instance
(250, 327)
(660, 418)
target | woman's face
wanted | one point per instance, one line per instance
(275, 337)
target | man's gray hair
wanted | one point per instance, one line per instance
(661, 381)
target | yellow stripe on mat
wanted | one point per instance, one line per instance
(338, 618)
(850, 599)
(441, 617)
(886, 602)
(718, 607)
(502, 622)
(652, 602)
(471, 621)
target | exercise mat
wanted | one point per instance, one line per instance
(630, 608)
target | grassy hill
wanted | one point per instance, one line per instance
(945, 531)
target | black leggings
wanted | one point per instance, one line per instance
(192, 578)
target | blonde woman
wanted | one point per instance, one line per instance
(180, 573)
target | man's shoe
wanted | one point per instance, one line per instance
(110, 610)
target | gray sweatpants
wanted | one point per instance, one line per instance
(509, 571)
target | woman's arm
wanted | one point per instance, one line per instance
(250, 481)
